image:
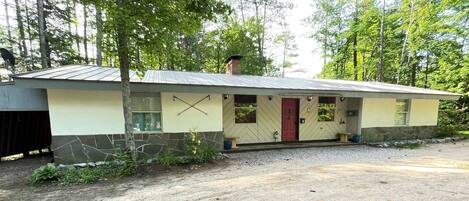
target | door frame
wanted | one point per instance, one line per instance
(297, 120)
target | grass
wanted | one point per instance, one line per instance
(464, 132)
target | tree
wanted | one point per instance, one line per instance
(99, 35)
(19, 19)
(85, 35)
(42, 34)
(379, 71)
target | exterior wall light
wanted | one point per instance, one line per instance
(309, 98)
(270, 98)
(225, 96)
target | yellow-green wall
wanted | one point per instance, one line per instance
(423, 112)
(380, 112)
(79, 112)
(174, 121)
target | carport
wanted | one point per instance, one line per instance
(24, 120)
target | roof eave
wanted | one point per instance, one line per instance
(153, 87)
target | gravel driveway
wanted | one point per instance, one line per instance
(434, 172)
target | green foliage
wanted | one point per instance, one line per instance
(126, 165)
(82, 175)
(208, 154)
(45, 174)
(424, 45)
(193, 143)
(167, 159)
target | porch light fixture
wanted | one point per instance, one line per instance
(225, 96)
(309, 98)
(270, 98)
(342, 99)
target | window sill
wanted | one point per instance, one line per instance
(147, 132)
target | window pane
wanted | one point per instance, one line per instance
(326, 112)
(245, 108)
(401, 119)
(401, 106)
(327, 100)
(140, 103)
(402, 111)
(245, 99)
(146, 121)
(245, 114)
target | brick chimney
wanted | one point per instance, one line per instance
(233, 66)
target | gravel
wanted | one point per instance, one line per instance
(317, 156)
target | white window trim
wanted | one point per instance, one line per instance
(407, 112)
(335, 111)
(234, 118)
(143, 95)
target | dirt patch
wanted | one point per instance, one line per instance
(433, 172)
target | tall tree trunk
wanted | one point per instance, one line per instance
(75, 22)
(355, 38)
(19, 19)
(380, 70)
(99, 35)
(7, 17)
(42, 34)
(85, 36)
(284, 59)
(426, 70)
(30, 37)
(404, 45)
(326, 35)
(123, 52)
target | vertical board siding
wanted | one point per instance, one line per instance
(269, 120)
(314, 130)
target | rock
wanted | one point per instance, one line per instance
(62, 167)
(101, 163)
(81, 165)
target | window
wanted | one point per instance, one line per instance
(402, 112)
(326, 108)
(146, 112)
(245, 108)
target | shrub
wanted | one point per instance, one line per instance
(208, 154)
(167, 159)
(193, 143)
(45, 174)
(126, 165)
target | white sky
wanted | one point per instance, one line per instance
(307, 64)
(309, 61)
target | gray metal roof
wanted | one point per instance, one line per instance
(107, 74)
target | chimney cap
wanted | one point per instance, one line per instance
(236, 57)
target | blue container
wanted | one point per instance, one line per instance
(227, 144)
(356, 138)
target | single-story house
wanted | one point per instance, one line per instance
(87, 123)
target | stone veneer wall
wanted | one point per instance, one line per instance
(381, 134)
(92, 148)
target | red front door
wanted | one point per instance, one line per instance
(290, 119)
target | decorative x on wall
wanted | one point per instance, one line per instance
(191, 105)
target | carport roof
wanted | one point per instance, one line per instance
(100, 75)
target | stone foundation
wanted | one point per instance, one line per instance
(91, 148)
(382, 134)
